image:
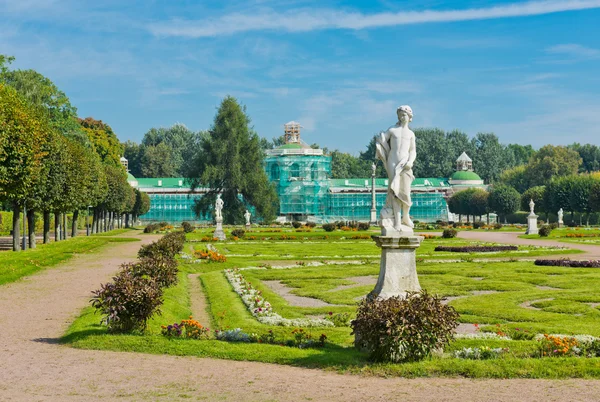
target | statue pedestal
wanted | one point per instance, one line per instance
(532, 227)
(247, 226)
(373, 220)
(398, 267)
(219, 234)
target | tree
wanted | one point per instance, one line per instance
(4, 62)
(22, 136)
(594, 200)
(346, 166)
(142, 204)
(469, 202)
(133, 153)
(156, 161)
(480, 203)
(503, 200)
(433, 159)
(177, 140)
(558, 194)
(521, 154)
(45, 96)
(590, 156)
(104, 140)
(516, 177)
(230, 162)
(552, 161)
(490, 156)
(579, 200)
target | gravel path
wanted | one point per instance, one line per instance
(34, 312)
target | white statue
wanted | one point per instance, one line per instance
(247, 216)
(218, 207)
(397, 150)
(560, 216)
(531, 206)
(373, 169)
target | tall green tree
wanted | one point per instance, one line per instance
(104, 140)
(590, 156)
(490, 157)
(581, 189)
(536, 194)
(503, 200)
(22, 137)
(552, 161)
(230, 162)
(516, 177)
(156, 161)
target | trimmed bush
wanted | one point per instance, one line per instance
(160, 268)
(449, 233)
(128, 302)
(364, 226)
(545, 231)
(478, 225)
(329, 227)
(310, 225)
(187, 227)
(408, 329)
(239, 233)
(476, 249)
(296, 224)
(565, 262)
(169, 245)
(498, 226)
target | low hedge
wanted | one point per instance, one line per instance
(475, 249)
(565, 262)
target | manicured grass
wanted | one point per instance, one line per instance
(114, 232)
(510, 284)
(17, 265)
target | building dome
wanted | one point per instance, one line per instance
(463, 175)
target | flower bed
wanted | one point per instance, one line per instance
(566, 262)
(475, 249)
(261, 309)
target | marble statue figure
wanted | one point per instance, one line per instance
(560, 216)
(247, 216)
(397, 150)
(218, 207)
(531, 206)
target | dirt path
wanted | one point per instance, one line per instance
(198, 303)
(589, 251)
(36, 311)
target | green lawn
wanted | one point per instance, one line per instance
(17, 265)
(558, 300)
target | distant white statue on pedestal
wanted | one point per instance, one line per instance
(247, 215)
(532, 220)
(560, 218)
(219, 234)
(218, 208)
(397, 150)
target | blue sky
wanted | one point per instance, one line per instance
(528, 71)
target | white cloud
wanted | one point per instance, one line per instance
(303, 20)
(574, 51)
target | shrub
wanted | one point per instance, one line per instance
(449, 233)
(497, 226)
(478, 225)
(554, 346)
(162, 269)
(329, 227)
(128, 302)
(151, 228)
(187, 227)
(476, 249)
(169, 245)
(296, 224)
(239, 233)
(339, 319)
(407, 329)
(364, 225)
(565, 262)
(553, 226)
(545, 231)
(310, 224)
(456, 225)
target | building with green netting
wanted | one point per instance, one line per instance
(302, 178)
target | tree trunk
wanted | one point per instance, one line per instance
(74, 223)
(56, 226)
(64, 226)
(126, 220)
(46, 227)
(16, 227)
(31, 228)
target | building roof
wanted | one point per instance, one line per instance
(130, 177)
(418, 183)
(464, 158)
(465, 175)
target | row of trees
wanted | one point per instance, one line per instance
(577, 193)
(53, 162)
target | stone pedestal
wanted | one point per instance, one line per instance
(219, 234)
(247, 227)
(532, 227)
(373, 220)
(398, 267)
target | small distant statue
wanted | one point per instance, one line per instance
(560, 217)
(396, 148)
(219, 207)
(247, 215)
(531, 206)
(373, 169)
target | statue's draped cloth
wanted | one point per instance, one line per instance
(382, 150)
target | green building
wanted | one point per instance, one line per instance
(302, 177)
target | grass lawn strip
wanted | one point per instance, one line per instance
(15, 265)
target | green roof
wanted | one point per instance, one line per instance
(130, 177)
(465, 175)
(169, 182)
